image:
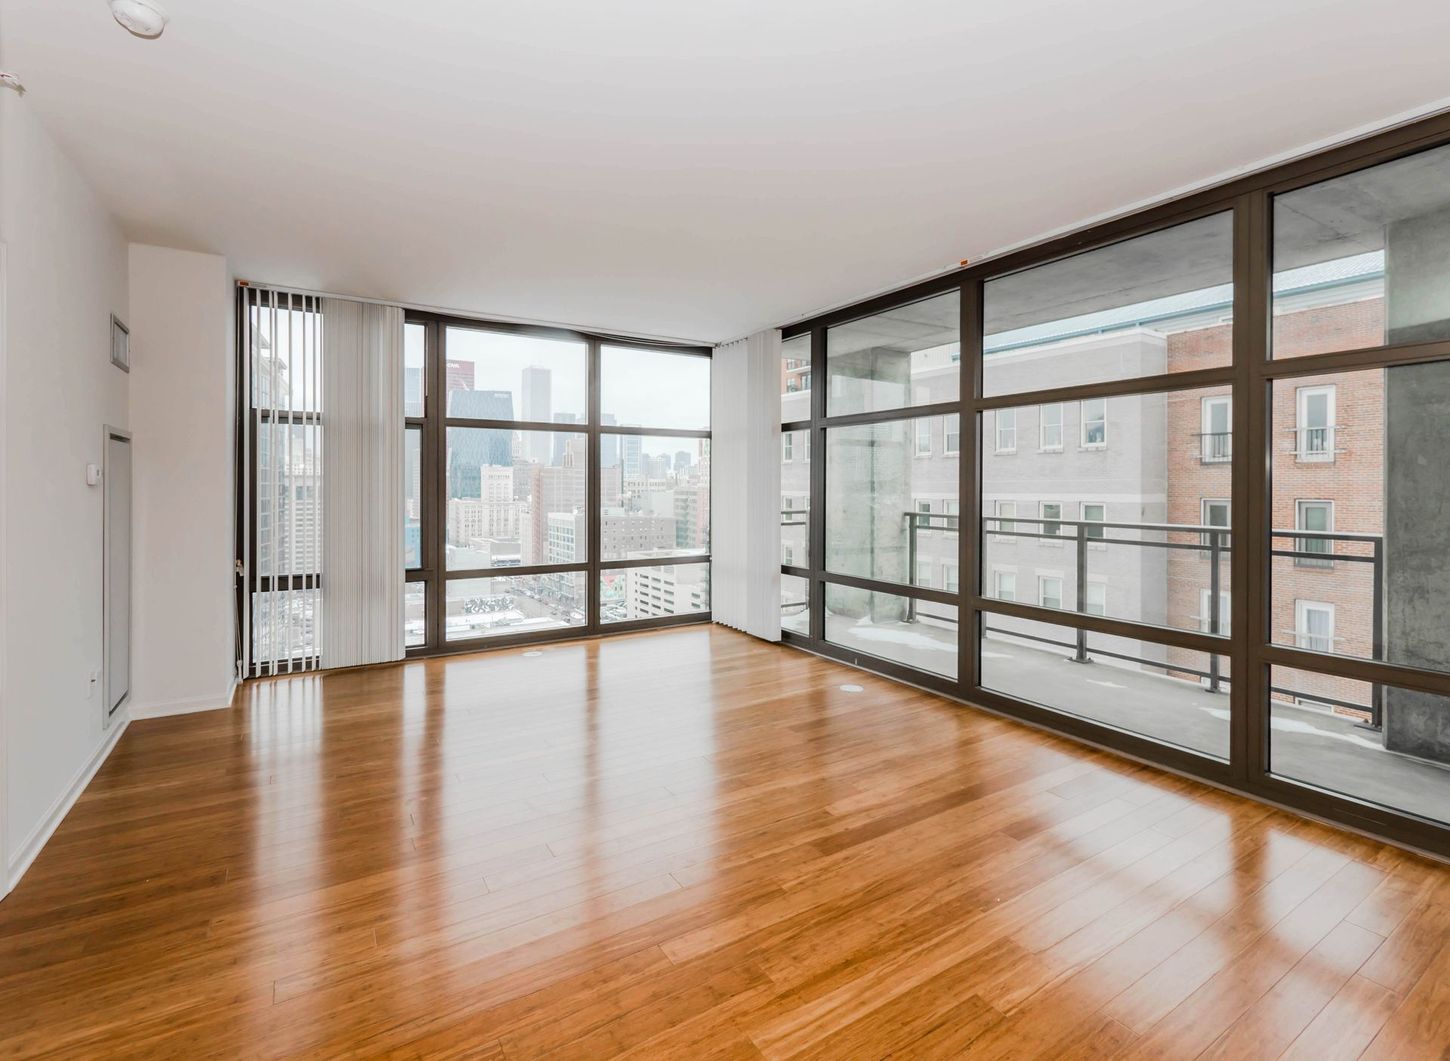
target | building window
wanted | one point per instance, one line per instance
(953, 510)
(1216, 429)
(1004, 585)
(1094, 423)
(952, 433)
(923, 437)
(1094, 512)
(949, 576)
(787, 446)
(1214, 513)
(1314, 625)
(1049, 431)
(1096, 601)
(1205, 612)
(787, 556)
(1050, 513)
(1006, 423)
(923, 573)
(1049, 591)
(1314, 516)
(1314, 424)
(1005, 522)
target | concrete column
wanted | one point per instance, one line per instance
(1417, 500)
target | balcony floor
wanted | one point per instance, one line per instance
(1308, 744)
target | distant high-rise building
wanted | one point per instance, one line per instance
(560, 439)
(538, 407)
(632, 456)
(682, 461)
(413, 389)
(458, 376)
(471, 449)
(608, 444)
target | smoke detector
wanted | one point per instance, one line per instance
(143, 18)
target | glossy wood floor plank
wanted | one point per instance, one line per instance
(693, 844)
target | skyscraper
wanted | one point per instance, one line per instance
(471, 448)
(538, 407)
(608, 444)
(632, 456)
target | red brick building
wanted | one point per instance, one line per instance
(1327, 474)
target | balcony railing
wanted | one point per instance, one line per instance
(1314, 443)
(1215, 447)
(1316, 547)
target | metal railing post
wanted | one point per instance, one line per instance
(1377, 619)
(1214, 581)
(911, 564)
(1082, 554)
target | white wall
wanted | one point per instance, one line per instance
(66, 274)
(182, 378)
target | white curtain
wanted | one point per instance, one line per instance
(745, 485)
(362, 484)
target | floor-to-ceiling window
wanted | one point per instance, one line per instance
(556, 483)
(1173, 484)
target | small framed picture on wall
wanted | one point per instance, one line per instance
(120, 344)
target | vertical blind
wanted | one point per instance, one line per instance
(745, 465)
(322, 479)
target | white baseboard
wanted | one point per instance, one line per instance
(41, 834)
(187, 705)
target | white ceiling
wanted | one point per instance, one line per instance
(681, 168)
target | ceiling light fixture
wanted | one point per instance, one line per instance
(142, 18)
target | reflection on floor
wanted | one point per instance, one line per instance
(1307, 744)
(692, 844)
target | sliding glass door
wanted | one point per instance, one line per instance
(1173, 485)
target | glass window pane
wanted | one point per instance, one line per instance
(887, 506)
(910, 355)
(1127, 510)
(415, 614)
(515, 604)
(1323, 732)
(288, 354)
(415, 380)
(652, 592)
(1359, 458)
(412, 498)
(919, 634)
(515, 497)
(1153, 304)
(654, 388)
(795, 498)
(289, 498)
(795, 604)
(284, 624)
(491, 375)
(654, 495)
(795, 379)
(1360, 260)
(1140, 687)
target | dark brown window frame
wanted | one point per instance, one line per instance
(435, 423)
(1250, 377)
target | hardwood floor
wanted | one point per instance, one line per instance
(692, 844)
